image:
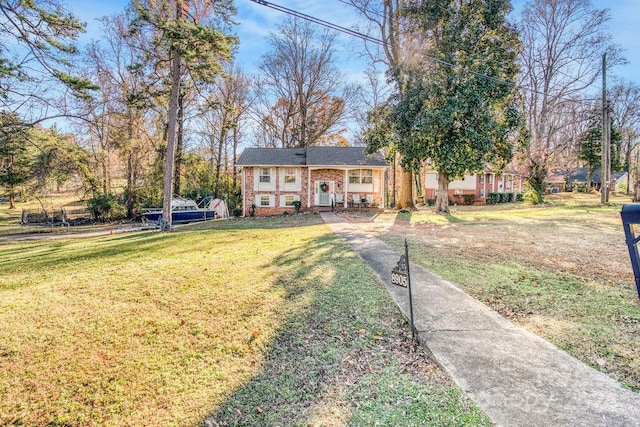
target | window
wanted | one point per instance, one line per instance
(490, 178)
(482, 179)
(361, 176)
(288, 200)
(367, 176)
(265, 175)
(265, 200)
(289, 176)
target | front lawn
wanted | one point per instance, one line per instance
(246, 322)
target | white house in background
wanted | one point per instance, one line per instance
(476, 186)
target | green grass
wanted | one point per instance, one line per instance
(248, 322)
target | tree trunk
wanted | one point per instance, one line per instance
(221, 143)
(12, 197)
(233, 160)
(179, 144)
(442, 195)
(172, 120)
(405, 198)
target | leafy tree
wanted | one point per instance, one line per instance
(58, 159)
(224, 114)
(626, 113)
(459, 109)
(34, 158)
(386, 23)
(117, 119)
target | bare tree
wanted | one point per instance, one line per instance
(563, 42)
(301, 93)
(225, 110)
(386, 23)
(117, 117)
(625, 102)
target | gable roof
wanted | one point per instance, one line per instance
(310, 156)
(580, 175)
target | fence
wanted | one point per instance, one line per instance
(53, 217)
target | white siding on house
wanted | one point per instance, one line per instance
(290, 186)
(468, 183)
(260, 179)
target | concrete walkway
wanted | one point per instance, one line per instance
(515, 377)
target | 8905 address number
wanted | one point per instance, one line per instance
(399, 279)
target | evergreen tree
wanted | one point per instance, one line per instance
(459, 109)
(16, 159)
(590, 148)
(188, 34)
(42, 34)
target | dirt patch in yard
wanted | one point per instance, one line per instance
(587, 245)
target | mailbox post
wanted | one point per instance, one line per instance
(631, 223)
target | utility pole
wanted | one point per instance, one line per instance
(606, 143)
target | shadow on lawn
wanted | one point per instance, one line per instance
(331, 302)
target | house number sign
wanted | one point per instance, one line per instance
(400, 276)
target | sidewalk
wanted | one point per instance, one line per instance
(515, 377)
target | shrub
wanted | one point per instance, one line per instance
(468, 198)
(236, 212)
(105, 207)
(431, 202)
(532, 197)
(493, 198)
(297, 204)
(518, 197)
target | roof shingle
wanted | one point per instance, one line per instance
(310, 156)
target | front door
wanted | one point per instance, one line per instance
(323, 190)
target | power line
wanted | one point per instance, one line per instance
(366, 37)
(319, 21)
(379, 42)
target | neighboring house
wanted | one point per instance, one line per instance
(556, 181)
(319, 177)
(578, 177)
(476, 186)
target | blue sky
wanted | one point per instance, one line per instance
(256, 22)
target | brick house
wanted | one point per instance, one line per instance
(319, 177)
(478, 185)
